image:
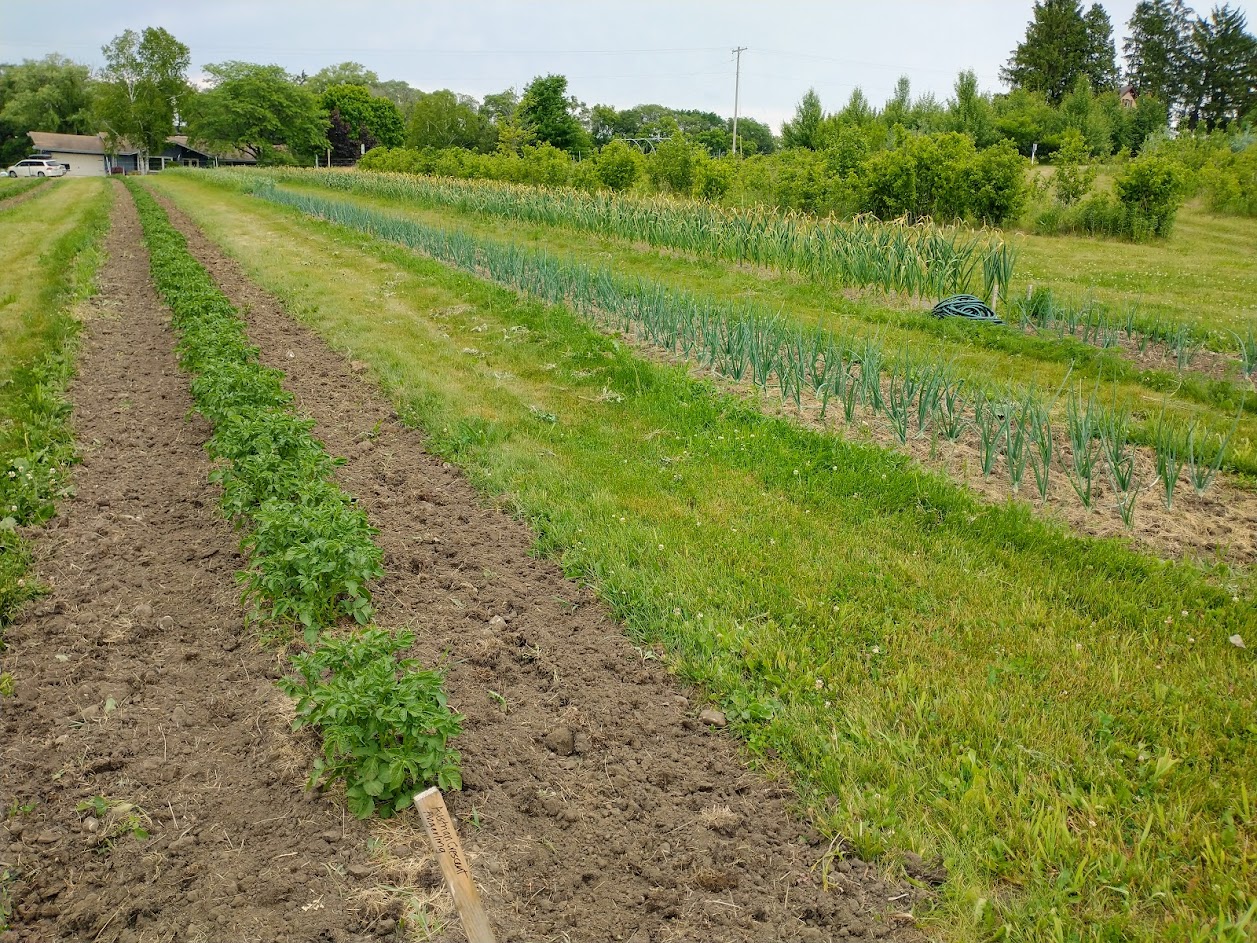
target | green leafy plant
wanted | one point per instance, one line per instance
(384, 720)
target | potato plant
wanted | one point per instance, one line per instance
(385, 722)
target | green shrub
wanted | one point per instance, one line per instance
(712, 178)
(619, 165)
(1074, 172)
(1228, 182)
(385, 722)
(670, 165)
(1150, 190)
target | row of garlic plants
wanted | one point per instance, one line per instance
(310, 549)
(919, 259)
(918, 395)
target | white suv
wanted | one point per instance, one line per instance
(37, 167)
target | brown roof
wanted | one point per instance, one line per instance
(75, 143)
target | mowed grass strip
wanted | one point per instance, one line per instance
(52, 251)
(1062, 721)
(987, 355)
(16, 186)
(1202, 275)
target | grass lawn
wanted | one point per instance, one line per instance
(1204, 274)
(1061, 720)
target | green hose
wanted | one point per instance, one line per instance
(968, 307)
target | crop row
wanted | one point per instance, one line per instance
(1096, 325)
(916, 394)
(384, 722)
(916, 259)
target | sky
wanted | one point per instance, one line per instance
(617, 52)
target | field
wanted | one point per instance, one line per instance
(609, 475)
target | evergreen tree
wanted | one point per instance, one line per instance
(1225, 80)
(1158, 51)
(804, 129)
(1056, 50)
(1101, 67)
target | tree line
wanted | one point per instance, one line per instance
(1202, 70)
(142, 95)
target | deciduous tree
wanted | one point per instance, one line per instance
(142, 88)
(49, 94)
(549, 113)
(444, 119)
(360, 121)
(804, 129)
(256, 108)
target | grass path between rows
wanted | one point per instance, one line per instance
(52, 252)
(1061, 720)
(1000, 356)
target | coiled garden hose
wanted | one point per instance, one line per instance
(968, 307)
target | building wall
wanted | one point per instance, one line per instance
(128, 162)
(81, 165)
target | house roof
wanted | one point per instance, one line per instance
(75, 143)
(182, 141)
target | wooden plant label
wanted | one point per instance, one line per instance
(449, 852)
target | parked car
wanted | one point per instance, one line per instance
(37, 167)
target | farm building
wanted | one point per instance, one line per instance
(87, 155)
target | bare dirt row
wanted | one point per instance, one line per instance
(596, 804)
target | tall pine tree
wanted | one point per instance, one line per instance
(1101, 68)
(1225, 77)
(1158, 52)
(1060, 45)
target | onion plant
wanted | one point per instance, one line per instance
(1082, 420)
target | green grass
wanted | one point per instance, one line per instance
(15, 186)
(52, 247)
(1061, 720)
(1000, 356)
(1202, 275)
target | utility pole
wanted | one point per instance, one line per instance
(737, 87)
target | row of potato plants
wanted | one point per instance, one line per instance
(917, 394)
(917, 259)
(384, 720)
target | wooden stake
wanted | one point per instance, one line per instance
(449, 852)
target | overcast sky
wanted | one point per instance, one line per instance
(617, 52)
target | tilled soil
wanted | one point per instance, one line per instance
(596, 805)
(142, 704)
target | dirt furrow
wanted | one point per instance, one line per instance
(152, 787)
(596, 806)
